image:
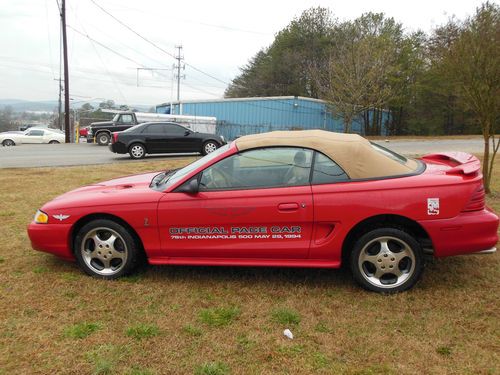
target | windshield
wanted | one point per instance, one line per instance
(191, 167)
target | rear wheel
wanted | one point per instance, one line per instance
(103, 139)
(137, 151)
(53, 142)
(105, 249)
(387, 260)
(8, 143)
(209, 147)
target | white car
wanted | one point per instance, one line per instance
(32, 135)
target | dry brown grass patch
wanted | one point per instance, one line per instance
(448, 324)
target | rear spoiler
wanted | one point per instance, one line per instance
(460, 162)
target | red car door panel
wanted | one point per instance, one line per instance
(255, 223)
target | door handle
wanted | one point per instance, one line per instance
(288, 206)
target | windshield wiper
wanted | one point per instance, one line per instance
(166, 177)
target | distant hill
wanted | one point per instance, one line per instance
(19, 105)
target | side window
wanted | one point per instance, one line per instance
(260, 168)
(126, 119)
(173, 129)
(36, 132)
(154, 129)
(326, 171)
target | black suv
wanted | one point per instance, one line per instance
(163, 137)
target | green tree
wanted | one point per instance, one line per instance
(363, 60)
(472, 65)
(108, 104)
(285, 67)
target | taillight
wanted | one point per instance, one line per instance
(115, 137)
(476, 201)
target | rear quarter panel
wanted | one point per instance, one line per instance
(343, 205)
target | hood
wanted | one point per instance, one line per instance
(125, 190)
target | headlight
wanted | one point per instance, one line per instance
(41, 217)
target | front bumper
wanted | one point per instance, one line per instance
(467, 233)
(51, 238)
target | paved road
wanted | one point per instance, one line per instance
(418, 147)
(23, 156)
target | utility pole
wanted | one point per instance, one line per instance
(59, 119)
(66, 74)
(178, 66)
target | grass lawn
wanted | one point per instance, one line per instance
(166, 320)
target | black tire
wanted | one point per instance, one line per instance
(137, 151)
(209, 147)
(92, 252)
(54, 142)
(390, 268)
(103, 138)
(8, 143)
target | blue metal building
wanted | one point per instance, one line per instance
(241, 116)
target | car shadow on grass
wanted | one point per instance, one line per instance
(456, 272)
(270, 276)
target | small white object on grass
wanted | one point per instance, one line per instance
(387, 140)
(288, 333)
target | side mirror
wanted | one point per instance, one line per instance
(190, 187)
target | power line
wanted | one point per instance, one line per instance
(104, 46)
(103, 63)
(155, 45)
(108, 48)
(218, 26)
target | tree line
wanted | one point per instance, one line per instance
(371, 63)
(438, 83)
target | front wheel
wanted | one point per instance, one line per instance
(105, 249)
(103, 139)
(137, 151)
(8, 143)
(387, 260)
(209, 147)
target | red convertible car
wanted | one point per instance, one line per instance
(282, 199)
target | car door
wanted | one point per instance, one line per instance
(334, 206)
(181, 139)
(250, 205)
(33, 136)
(155, 138)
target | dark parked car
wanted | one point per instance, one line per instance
(163, 137)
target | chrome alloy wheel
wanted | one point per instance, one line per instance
(210, 147)
(386, 262)
(137, 151)
(104, 251)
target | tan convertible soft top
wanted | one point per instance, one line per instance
(353, 153)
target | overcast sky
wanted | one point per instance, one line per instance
(217, 36)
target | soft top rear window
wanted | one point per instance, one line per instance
(390, 154)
